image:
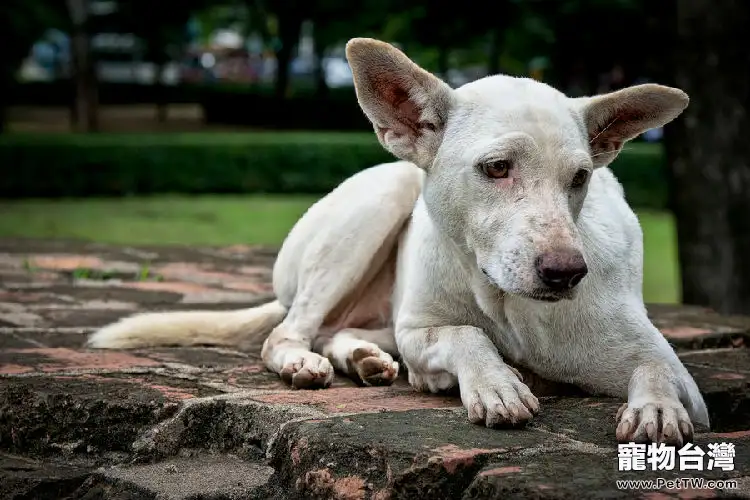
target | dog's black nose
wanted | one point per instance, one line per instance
(561, 269)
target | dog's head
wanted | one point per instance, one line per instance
(508, 160)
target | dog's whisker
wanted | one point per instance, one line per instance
(604, 129)
(627, 148)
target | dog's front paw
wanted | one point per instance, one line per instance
(308, 371)
(656, 420)
(495, 397)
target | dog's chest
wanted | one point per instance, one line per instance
(497, 325)
(521, 344)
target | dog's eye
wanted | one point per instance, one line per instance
(580, 178)
(496, 169)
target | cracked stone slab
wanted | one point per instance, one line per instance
(410, 454)
(570, 474)
(21, 477)
(438, 454)
(205, 477)
(86, 414)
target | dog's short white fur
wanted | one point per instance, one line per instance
(500, 240)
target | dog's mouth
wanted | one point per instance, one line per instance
(540, 294)
(547, 296)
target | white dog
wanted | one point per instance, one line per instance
(501, 240)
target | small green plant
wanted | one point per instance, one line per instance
(28, 265)
(145, 274)
(84, 273)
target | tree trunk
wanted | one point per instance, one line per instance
(84, 69)
(709, 154)
(321, 85)
(160, 93)
(289, 30)
(7, 82)
(73, 95)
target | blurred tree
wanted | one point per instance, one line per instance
(507, 14)
(591, 36)
(288, 16)
(432, 26)
(163, 30)
(22, 23)
(709, 153)
(336, 21)
(85, 110)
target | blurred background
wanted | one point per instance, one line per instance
(213, 123)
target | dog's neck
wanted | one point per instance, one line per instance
(460, 253)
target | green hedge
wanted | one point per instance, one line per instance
(311, 162)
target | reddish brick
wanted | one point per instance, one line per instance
(23, 297)
(499, 471)
(684, 332)
(452, 457)
(195, 273)
(248, 369)
(172, 392)
(257, 288)
(185, 271)
(295, 453)
(63, 359)
(237, 249)
(168, 286)
(363, 399)
(255, 271)
(321, 483)
(65, 262)
(349, 488)
(655, 495)
(683, 493)
(727, 435)
(381, 495)
(690, 493)
(11, 369)
(169, 392)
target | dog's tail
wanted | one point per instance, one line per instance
(246, 328)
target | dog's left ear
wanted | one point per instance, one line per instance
(615, 118)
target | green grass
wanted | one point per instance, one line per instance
(661, 271)
(163, 220)
(265, 220)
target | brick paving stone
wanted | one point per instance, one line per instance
(209, 422)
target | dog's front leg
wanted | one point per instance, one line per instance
(439, 357)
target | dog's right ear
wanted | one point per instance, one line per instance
(407, 105)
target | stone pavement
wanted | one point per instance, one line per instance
(208, 423)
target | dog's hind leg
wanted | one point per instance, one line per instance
(327, 275)
(338, 247)
(366, 355)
